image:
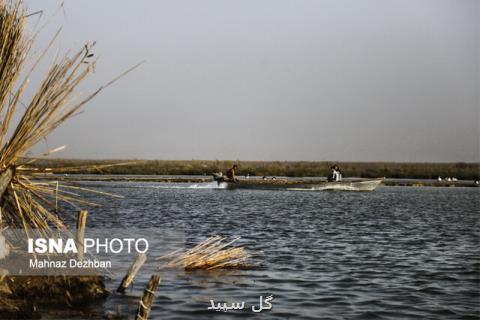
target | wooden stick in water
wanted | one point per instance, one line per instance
(145, 304)
(132, 272)
(81, 224)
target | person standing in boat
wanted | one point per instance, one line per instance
(333, 174)
(231, 173)
(338, 176)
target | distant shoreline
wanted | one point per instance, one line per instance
(391, 170)
(206, 179)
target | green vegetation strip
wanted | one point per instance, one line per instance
(392, 170)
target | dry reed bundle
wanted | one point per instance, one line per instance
(212, 253)
(24, 203)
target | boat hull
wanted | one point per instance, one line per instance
(297, 185)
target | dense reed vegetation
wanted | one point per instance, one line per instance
(27, 119)
(465, 171)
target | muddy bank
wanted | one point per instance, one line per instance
(23, 297)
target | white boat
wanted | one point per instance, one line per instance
(302, 185)
(365, 185)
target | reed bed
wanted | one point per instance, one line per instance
(394, 170)
(26, 203)
(210, 254)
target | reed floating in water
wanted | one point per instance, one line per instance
(212, 253)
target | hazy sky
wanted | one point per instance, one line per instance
(276, 80)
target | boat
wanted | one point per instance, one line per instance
(364, 185)
(301, 185)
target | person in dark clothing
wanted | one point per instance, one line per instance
(231, 173)
(332, 175)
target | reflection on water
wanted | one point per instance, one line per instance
(396, 253)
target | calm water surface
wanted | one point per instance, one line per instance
(396, 253)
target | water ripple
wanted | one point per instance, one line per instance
(396, 253)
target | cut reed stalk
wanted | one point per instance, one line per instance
(209, 254)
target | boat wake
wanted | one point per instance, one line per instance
(208, 185)
(205, 185)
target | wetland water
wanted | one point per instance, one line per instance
(395, 253)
